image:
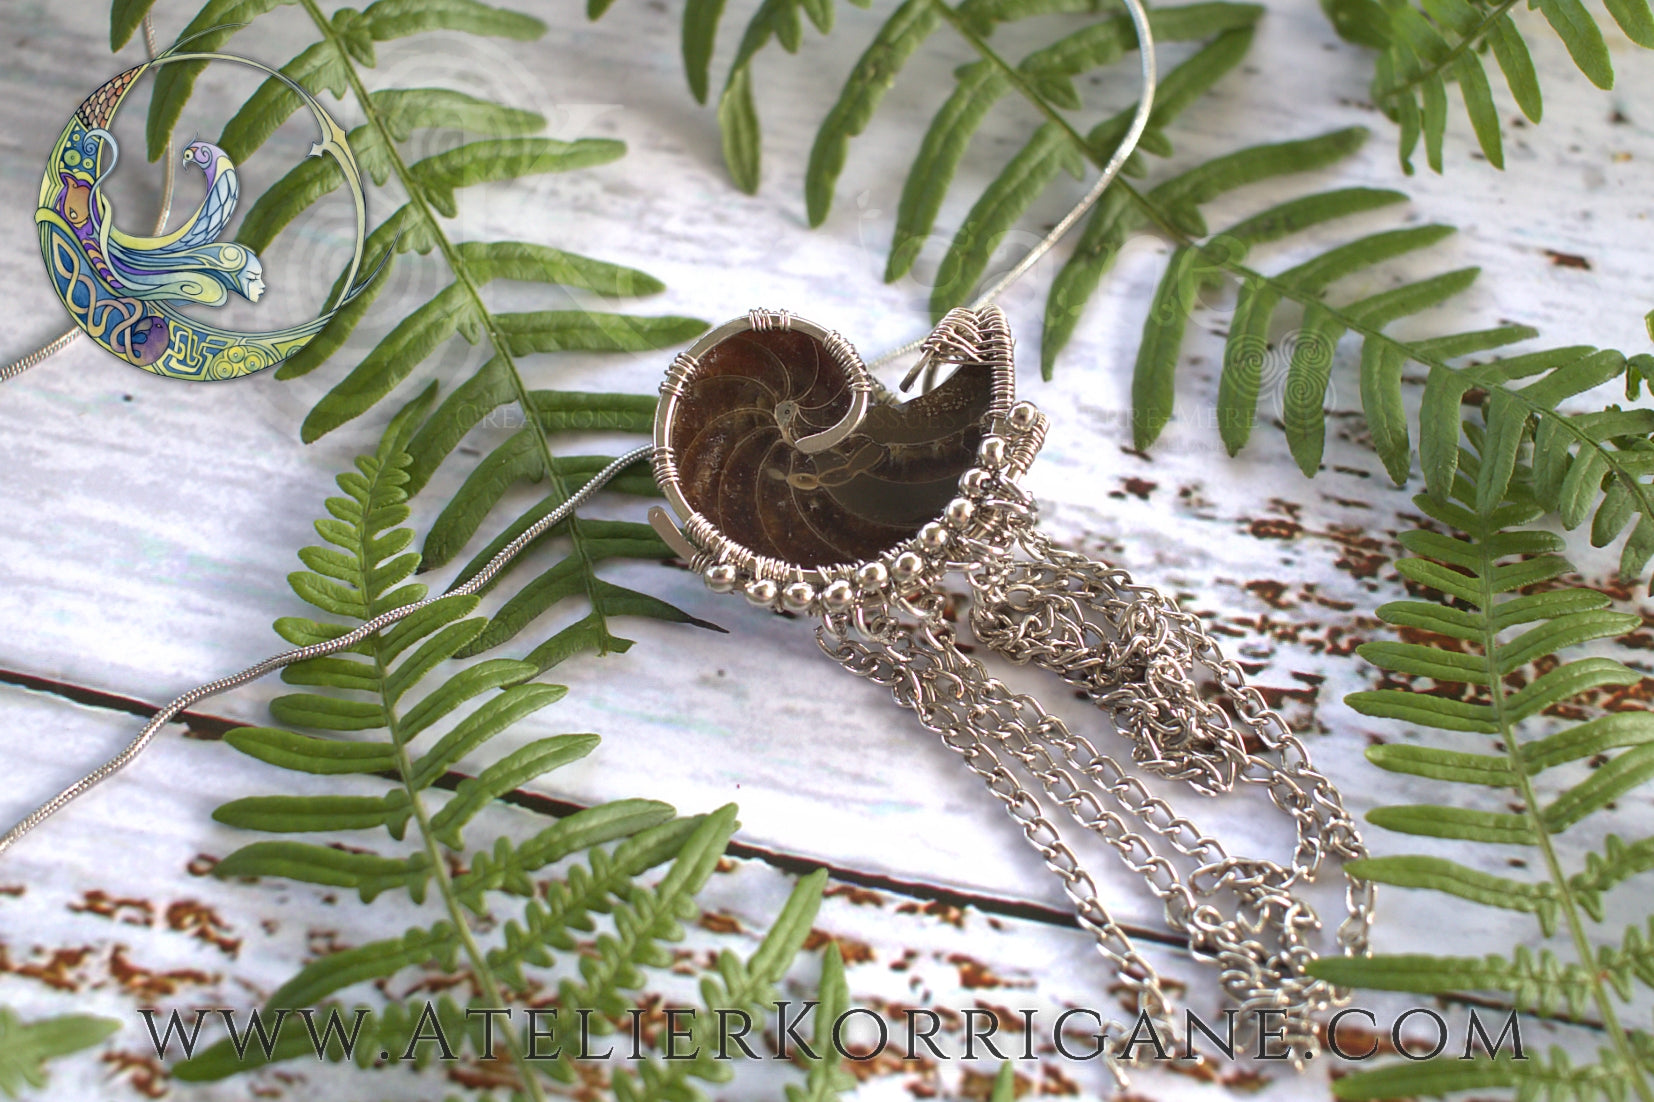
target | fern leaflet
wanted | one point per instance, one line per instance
(26, 1047)
(1495, 646)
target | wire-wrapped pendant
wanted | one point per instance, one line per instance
(797, 480)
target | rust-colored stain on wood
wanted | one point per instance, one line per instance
(1361, 556)
(593, 1083)
(892, 1061)
(720, 923)
(975, 974)
(1053, 1081)
(1275, 528)
(1009, 1020)
(978, 1086)
(1244, 1080)
(1277, 696)
(1271, 593)
(950, 913)
(853, 951)
(1568, 260)
(851, 893)
(150, 985)
(60, 970)
(189, 916)
(897, 1012)
(434, 983)
(202, 864)
(483, 1075)
(131, 912)
(144, 1072)
(685, 962)
(1139, 488)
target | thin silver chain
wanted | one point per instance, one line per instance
(1139, 657)
(67, 337)
(317, 650)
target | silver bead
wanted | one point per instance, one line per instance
(933, 537)
(762, 592)
(798, 595)
(959, 512)
(873, 576)
(1022, 416)
(721, 578)
(908, 566)
(838, 595)
(975, 480)
(992, 451)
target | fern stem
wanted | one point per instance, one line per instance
(484, 975)
(1467, 42)
(1530, 808)
(434, 853)
(1224, 260)
(462, 273)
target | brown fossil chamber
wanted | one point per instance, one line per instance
(756, 393)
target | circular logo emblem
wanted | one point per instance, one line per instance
(125, 291)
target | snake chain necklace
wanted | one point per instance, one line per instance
(795, 479)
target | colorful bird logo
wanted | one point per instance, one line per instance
(125, 291)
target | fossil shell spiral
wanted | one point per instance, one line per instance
(755, 394)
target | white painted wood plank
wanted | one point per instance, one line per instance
(151, 525)
(117, 915)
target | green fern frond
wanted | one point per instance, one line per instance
(379, 694)
(1423, 48)
(1498, 644)
(735, 986)
(1203, 260)
(827, 1076)
(649, 917)
(1617, 863)
(1535, 981)
(737, 108)
(1609, 446)
(1554, 1077)
(501, 146)
(1049, 73)
(27, 1047)
(1594, 465)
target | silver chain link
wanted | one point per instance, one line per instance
(1189, 715)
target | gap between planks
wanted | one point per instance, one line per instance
(207, 727)
(211, 728)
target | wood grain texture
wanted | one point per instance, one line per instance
(150, 525)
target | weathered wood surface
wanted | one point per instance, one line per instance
(150, 526)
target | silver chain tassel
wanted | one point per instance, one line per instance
(1137, 657)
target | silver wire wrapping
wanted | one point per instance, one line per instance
(317, 650)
